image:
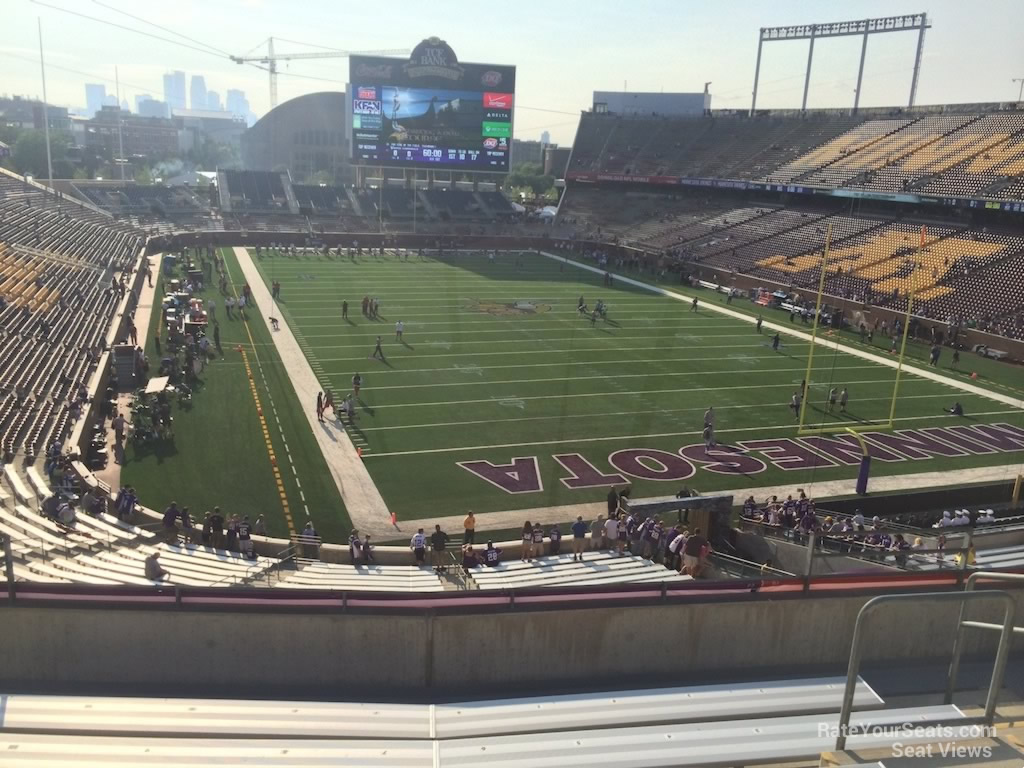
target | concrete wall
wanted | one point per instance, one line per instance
(345, 655)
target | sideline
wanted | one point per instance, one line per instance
(363, 502)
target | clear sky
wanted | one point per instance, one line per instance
(564, 49)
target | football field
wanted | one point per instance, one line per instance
(501, 395)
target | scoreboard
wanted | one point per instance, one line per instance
(431, 111)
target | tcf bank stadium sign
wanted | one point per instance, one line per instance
(750, 457)
(433, 58)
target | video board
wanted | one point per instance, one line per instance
(431, 111)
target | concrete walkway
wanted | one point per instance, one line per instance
(363, 502)
(111, 474)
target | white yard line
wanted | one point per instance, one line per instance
(363, 502)
(563, 416)
(574, 440)
(601, 377)
(888, 362)
(560, 396)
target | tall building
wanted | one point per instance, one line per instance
(141, 98)
(213, 101)
(95, 95)
(124, 106)
(545, 137)
(152, 108)
(174, 89)
(197, 92)
(237, 103)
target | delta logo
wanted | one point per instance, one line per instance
(497, 100)
(490, 143)
(367, 93)
(490, 78)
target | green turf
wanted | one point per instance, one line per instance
(476, 380)
(219, 455)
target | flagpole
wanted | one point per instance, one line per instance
(46, 112)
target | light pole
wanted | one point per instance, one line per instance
(1020, 91)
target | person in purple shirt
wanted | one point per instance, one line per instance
(492, 555)
(555, 536)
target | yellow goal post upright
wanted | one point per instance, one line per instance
(834, 428)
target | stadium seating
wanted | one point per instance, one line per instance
(784, 739)
(262, 191)
(57, 259)
(387, 578)
(141, 198)
(561, 570)
(720, 146)
(536, 714)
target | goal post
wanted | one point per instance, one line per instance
(803, 429)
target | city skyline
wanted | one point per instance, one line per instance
(970, 54)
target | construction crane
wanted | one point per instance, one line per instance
(271, 59)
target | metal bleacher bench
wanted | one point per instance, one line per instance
(17, 485)
(536, 714)
(370, 578)
(38, 482)
(561, 570)
(729, 743)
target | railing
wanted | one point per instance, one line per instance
(737, 566)
(1006, 630)
(954, 666)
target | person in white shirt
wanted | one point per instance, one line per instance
(709, 417)
(399, 328)
(611, 529)
(418, 545)
(945, 522)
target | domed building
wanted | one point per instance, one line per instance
(305, 136)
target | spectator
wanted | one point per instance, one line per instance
(217, 528)
(418, 545)
(579, 538)
(538, 540)
(555, 535)
(527, 551)
(153, 570)
(613, 501)
(692, 552)
(611, 533)
(355, 548)
(310, 541)
(259, 528)
(469, 558)
(469, 528)
(672, 551)
(438, 545)
(207, 534)
(367, 550)
(66, 513)
(170, 522)
(597, 533)
(492, 555)
(232, 540)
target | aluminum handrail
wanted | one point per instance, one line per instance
(856, 649)
(972, 580)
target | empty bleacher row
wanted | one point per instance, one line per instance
(40, 222)
(746, 723)
(722, 147)
(141, 198)
(254, 191)
(969, 154)
(56, 304)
